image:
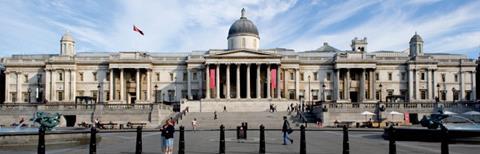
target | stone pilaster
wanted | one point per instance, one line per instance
(248, 81)
(237, 79)
(217, 81)
(228, 81)
(137, 86)
(258, 81)
(269, 85)
(189, 84)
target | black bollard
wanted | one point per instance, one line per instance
(181, 142)
(93, 140)
(41, 141)
(303, 143)
(346, 146)
(444, 146)
(138, 147)
(392, 147)
(262, 139)
(222, 140)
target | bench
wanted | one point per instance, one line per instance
(84, 124)
(343, 123)
(133, 124)
(110, 125)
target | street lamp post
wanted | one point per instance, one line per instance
(29, 94)
(380, 92)
(438, 92)
(38, 89)
(99, 94)
(454, 94)
(323, 92)
(163, 97)
(156, 93)
(175, 94)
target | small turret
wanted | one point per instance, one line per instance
(359, 45)
(416, 46)
(67, 45)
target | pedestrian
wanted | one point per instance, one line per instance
(215, 115)
(194, 124)
(163, 140)
(286, 129)
(170, 130)
(224, 108)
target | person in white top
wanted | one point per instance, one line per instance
(194, 124)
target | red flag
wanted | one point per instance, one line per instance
(274, 78)
(212, 78)
(135, 29)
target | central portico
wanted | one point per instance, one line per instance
(242, 74)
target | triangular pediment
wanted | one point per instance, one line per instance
(243, 53)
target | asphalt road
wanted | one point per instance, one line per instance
(207, 142)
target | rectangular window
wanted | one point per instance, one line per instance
(455, 95)
(158, 76)
(60, 76)
(81, 76)
(26, 78)
(377, 94)
(60, 95)
(314, 94)
(94, 74)
(94, 95)
(422, 76)
(171, 77)
(456, 77)
(185, 76)
(329, 76)
(390, 92)
(292, 77)
(315, 76)
(13, 95)
(194, 75)
(389, 76)
(423, 94)
(403, 76)
(443, 77)
(25, 96)
(377, 76)
(443, 95)
(467, 95)
(301, 77)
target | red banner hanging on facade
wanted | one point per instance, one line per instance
(212, 78)
(407, 117)
(273, 80)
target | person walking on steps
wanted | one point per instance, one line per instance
(194, 124)
(215, 115)
(286, 129)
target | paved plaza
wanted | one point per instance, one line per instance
(207, 142)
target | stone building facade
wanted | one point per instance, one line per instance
(243, 71)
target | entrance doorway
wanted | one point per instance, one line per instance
(70, 119)
(354, 96)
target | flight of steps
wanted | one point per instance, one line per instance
(233, 119)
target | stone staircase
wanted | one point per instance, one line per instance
(233, 119)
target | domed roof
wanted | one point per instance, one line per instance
(67, 37)
(243, 26)
(416, 38)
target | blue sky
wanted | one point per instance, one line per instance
(35, 27)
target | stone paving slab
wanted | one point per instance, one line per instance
(207, 142)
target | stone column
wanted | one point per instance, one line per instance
(228, 81)
(122, 85)
(416, 84)
(411, 91)
(429, 84)
(278, 82)
(434, 86)
(189, 84)
(111, 94)
(207, 85)
(462, 85)
(149, 86)
(258, 81)
(7, 86)
(48, 83)
(238, 81)
(336, 82)
(362, 85)
(73, 92)
(285, 83)
(269, 85)
(297, 84)
(374, 85)
(19, 88)
(217, 80)
(137, 90)
(66, 88)
(472, 85)
(248, 81)
(347, 89)
(53, 89)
